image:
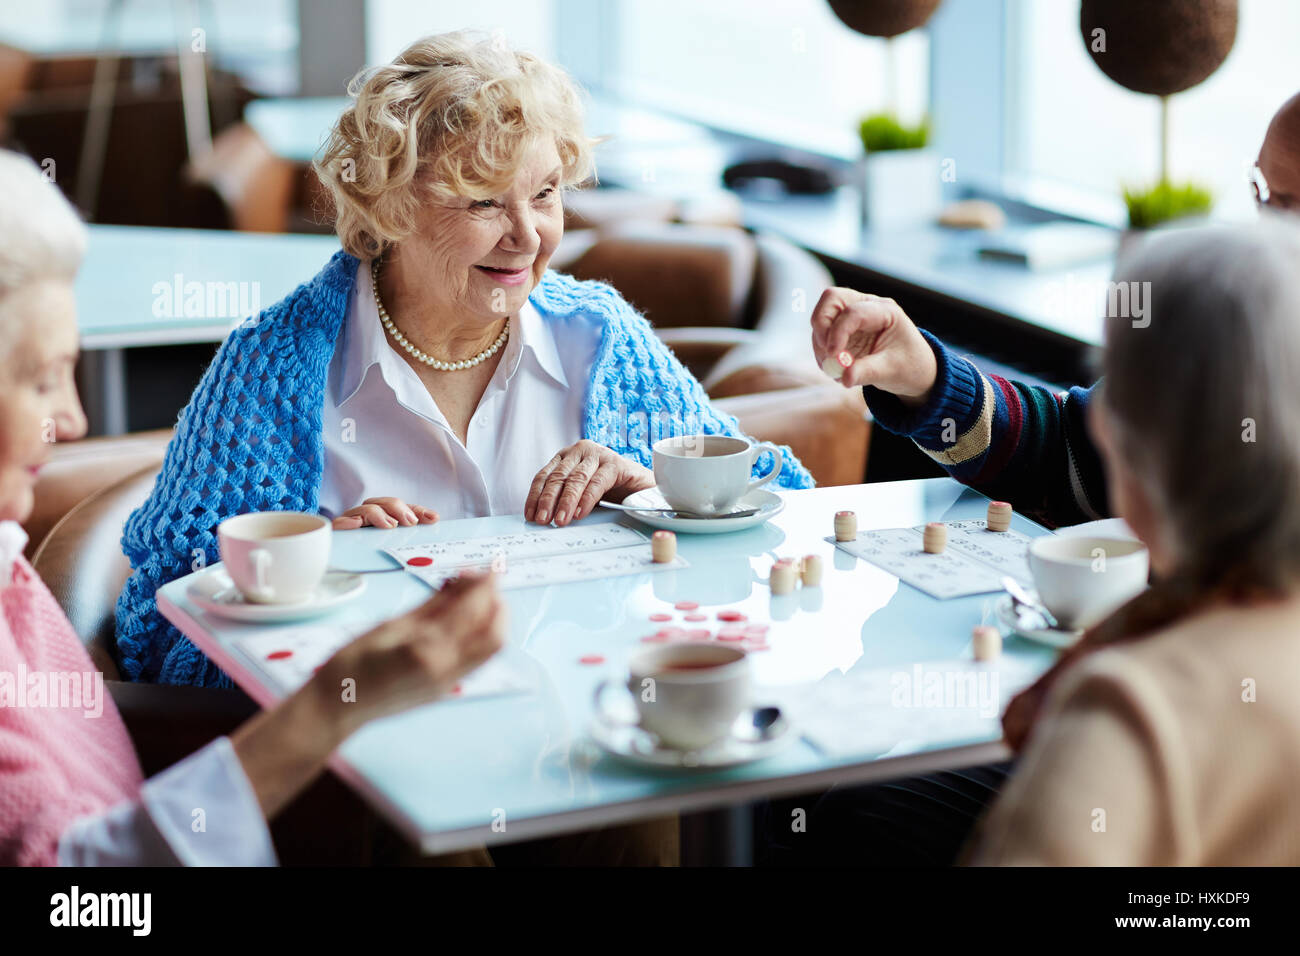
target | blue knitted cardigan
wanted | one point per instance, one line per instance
(250, 439)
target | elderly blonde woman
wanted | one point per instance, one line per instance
(71, 790)
(435, 367)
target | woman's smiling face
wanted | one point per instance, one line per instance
(38, 396)
(483, 257)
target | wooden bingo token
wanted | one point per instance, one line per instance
(986, 643)
(846, 526)
(999, 517)
(663, 547)
(812, 570)
(782, 579)
(935, 538)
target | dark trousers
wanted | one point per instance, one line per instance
(917, 821)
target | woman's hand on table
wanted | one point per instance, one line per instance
(413, 659)
(887, 349)
(384, 513)
(402, 663)
(570, 484)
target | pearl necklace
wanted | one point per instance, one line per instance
(424, 357)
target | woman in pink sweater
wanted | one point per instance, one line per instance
(71, 790)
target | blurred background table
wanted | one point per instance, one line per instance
(137, 290)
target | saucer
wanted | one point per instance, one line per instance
(1051, 636)
(631, 743)
(769, 505)
(215, 592)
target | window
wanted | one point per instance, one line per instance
(783, 70)
(1074, 124)
(392, 25)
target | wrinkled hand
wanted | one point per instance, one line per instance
(384, 513)
(888, 351)
(569, 485)
(419, 656)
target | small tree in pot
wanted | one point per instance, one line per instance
(1160, 48)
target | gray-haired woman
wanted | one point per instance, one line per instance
(1179, 716)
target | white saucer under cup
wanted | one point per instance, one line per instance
(214, 591)
(766, 505)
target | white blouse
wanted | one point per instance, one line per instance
(385, 435)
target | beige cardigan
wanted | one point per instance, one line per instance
(1154, 752)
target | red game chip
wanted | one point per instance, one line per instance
(687, 605)
(279, 655)
(731, 616)
(758, 630)
(660, 616)
(420, 562)
(758, 647)
(591, 659)
(699, 634)
(695, 616)
(658, 638)
(730, 636)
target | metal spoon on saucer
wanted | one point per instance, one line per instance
(1025, 605)
(678, 513)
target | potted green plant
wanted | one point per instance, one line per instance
(1165, 202)
(899, 175)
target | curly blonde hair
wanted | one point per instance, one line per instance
(453, 115)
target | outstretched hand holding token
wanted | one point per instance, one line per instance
(861, 339)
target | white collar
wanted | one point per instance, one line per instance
(13, 539)
(367, 345)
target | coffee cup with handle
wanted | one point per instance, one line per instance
(1081, 579)
(687, 695)
(708, 474)
(275, 557)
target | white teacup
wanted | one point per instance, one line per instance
(275, 557)
(708, 473)
(687, 695)
(1081, 579)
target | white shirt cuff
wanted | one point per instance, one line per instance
(199, 812)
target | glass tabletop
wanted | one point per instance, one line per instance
(444, 773)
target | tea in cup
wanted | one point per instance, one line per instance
(708, 474)
(275, 557)
(687, 695)
(1081, 579)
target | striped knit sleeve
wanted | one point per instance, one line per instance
(1011, 441)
